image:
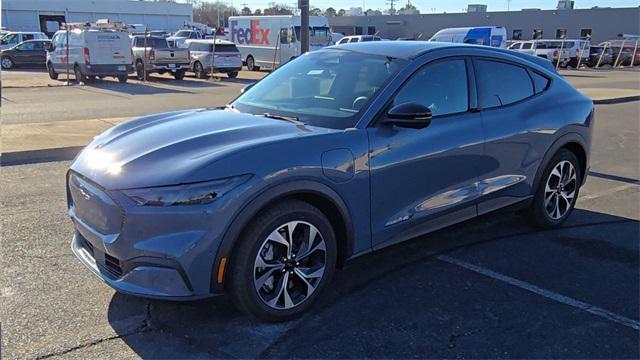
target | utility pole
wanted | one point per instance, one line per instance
(392, 9)
(508, 5)
(303, 5)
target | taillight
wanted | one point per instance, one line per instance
(87, 58)
(152, 55)
(577, 51)
(555, 53)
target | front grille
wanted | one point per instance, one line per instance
(112, 265)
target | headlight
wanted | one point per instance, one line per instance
(187, 194)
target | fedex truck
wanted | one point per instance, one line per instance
(268, 41)
(494, 36)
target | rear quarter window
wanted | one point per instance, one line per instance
(501, 84)
(540, 82)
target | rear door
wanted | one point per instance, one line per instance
(108, 47)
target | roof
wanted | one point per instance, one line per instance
(210, 41)
(394, 49)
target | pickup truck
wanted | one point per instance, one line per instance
(548, 49)
(153, 54)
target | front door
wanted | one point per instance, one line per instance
(287, 41)
(423, 179)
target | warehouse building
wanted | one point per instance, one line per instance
(47, 15)
(600, 23)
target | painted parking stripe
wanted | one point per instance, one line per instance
(634, 324)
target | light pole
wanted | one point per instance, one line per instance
(303, 5)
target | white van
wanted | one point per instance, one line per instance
(268, 41)
(13, 38)
(94, 50)
(494, 36)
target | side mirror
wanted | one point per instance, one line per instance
(409, 115)
(244, 89)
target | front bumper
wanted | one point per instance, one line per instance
(155, 252)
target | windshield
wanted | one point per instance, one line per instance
(317, 34)
(183, 33)
(325, 88)
(10, 39)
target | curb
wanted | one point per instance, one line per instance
(619, 100)
(39, 156)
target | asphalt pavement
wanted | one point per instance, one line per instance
(492, 287)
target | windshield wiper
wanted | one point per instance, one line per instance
(291, 119)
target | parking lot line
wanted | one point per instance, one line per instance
(634, 324)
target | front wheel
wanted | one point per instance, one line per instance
(140, 71)
(78, 74)
(251, 64)
(7, 63)
(283, 261)
(557, 192)
(232, 75)
(53, 75)
(123, 78)
(198, 69)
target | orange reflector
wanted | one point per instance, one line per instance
(223, 264)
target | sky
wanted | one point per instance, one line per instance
(427, 6)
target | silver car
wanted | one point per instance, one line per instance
(206, 58)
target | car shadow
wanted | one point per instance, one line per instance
(135, 88)
(397, 302)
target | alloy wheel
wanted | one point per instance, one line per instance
(7, 63)
(560, 190)
(290, 265)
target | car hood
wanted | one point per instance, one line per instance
(170, 148)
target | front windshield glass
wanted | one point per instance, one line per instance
(317, 34)
(10, 39)
(325, 88)
(183, 33)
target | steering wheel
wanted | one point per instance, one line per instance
(359, 102)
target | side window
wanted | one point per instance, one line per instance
(284, 36)
(442, 87)
(540, 82)
(526, 46)
(26, 37)
(501, 84)
(26, 46)
(353, 39)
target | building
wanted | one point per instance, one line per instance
(566, 4)
(47, 15)
(600, 23)
(477, 8)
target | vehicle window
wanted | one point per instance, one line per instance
(527, 46)
(26, 46)
(540, 82)
(26, 37)
(501, 84)
(225, 48)
(352, 40)
(284, 36)
(325, 88)
(366, 38)
(377, 39)
(183, 33)
(442, 87)
(10, 39)
(39, 45)
(515, 46)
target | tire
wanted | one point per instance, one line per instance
(7, 63)
(251, 64)
(553, 202)
(272, 301)
(123, 78)
(52, 72)
(140, 72)
(179, 74)
(232, 75)
(198, 69)
(78, 74)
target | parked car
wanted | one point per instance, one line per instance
(335, 37)
(546, 49)
(226, 58)
(30, 52)
(358, 38)
(13, 38)
(596, 56)
(339, 152)
(154, 55)
(578, 49)
(94, 50)
(623, 51)
(179, 39)
(494, 36)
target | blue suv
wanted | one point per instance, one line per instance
(339, 152)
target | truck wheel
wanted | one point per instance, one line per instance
(78, 74)
(179, 74)
(251, 64)
(232, 75)
(123, 78)
(7, 63)
(140, 71)
(52, 73)
(199, 70)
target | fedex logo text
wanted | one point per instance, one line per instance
(251, 35)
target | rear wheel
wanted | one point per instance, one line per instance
(198, 69)
(251, 64)
(140, 71)
(123, 78)
(7, 63)
(232, 75)
(557, 192)
(52, 72)
(283, 261)
(78, 74)
(179, 74)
